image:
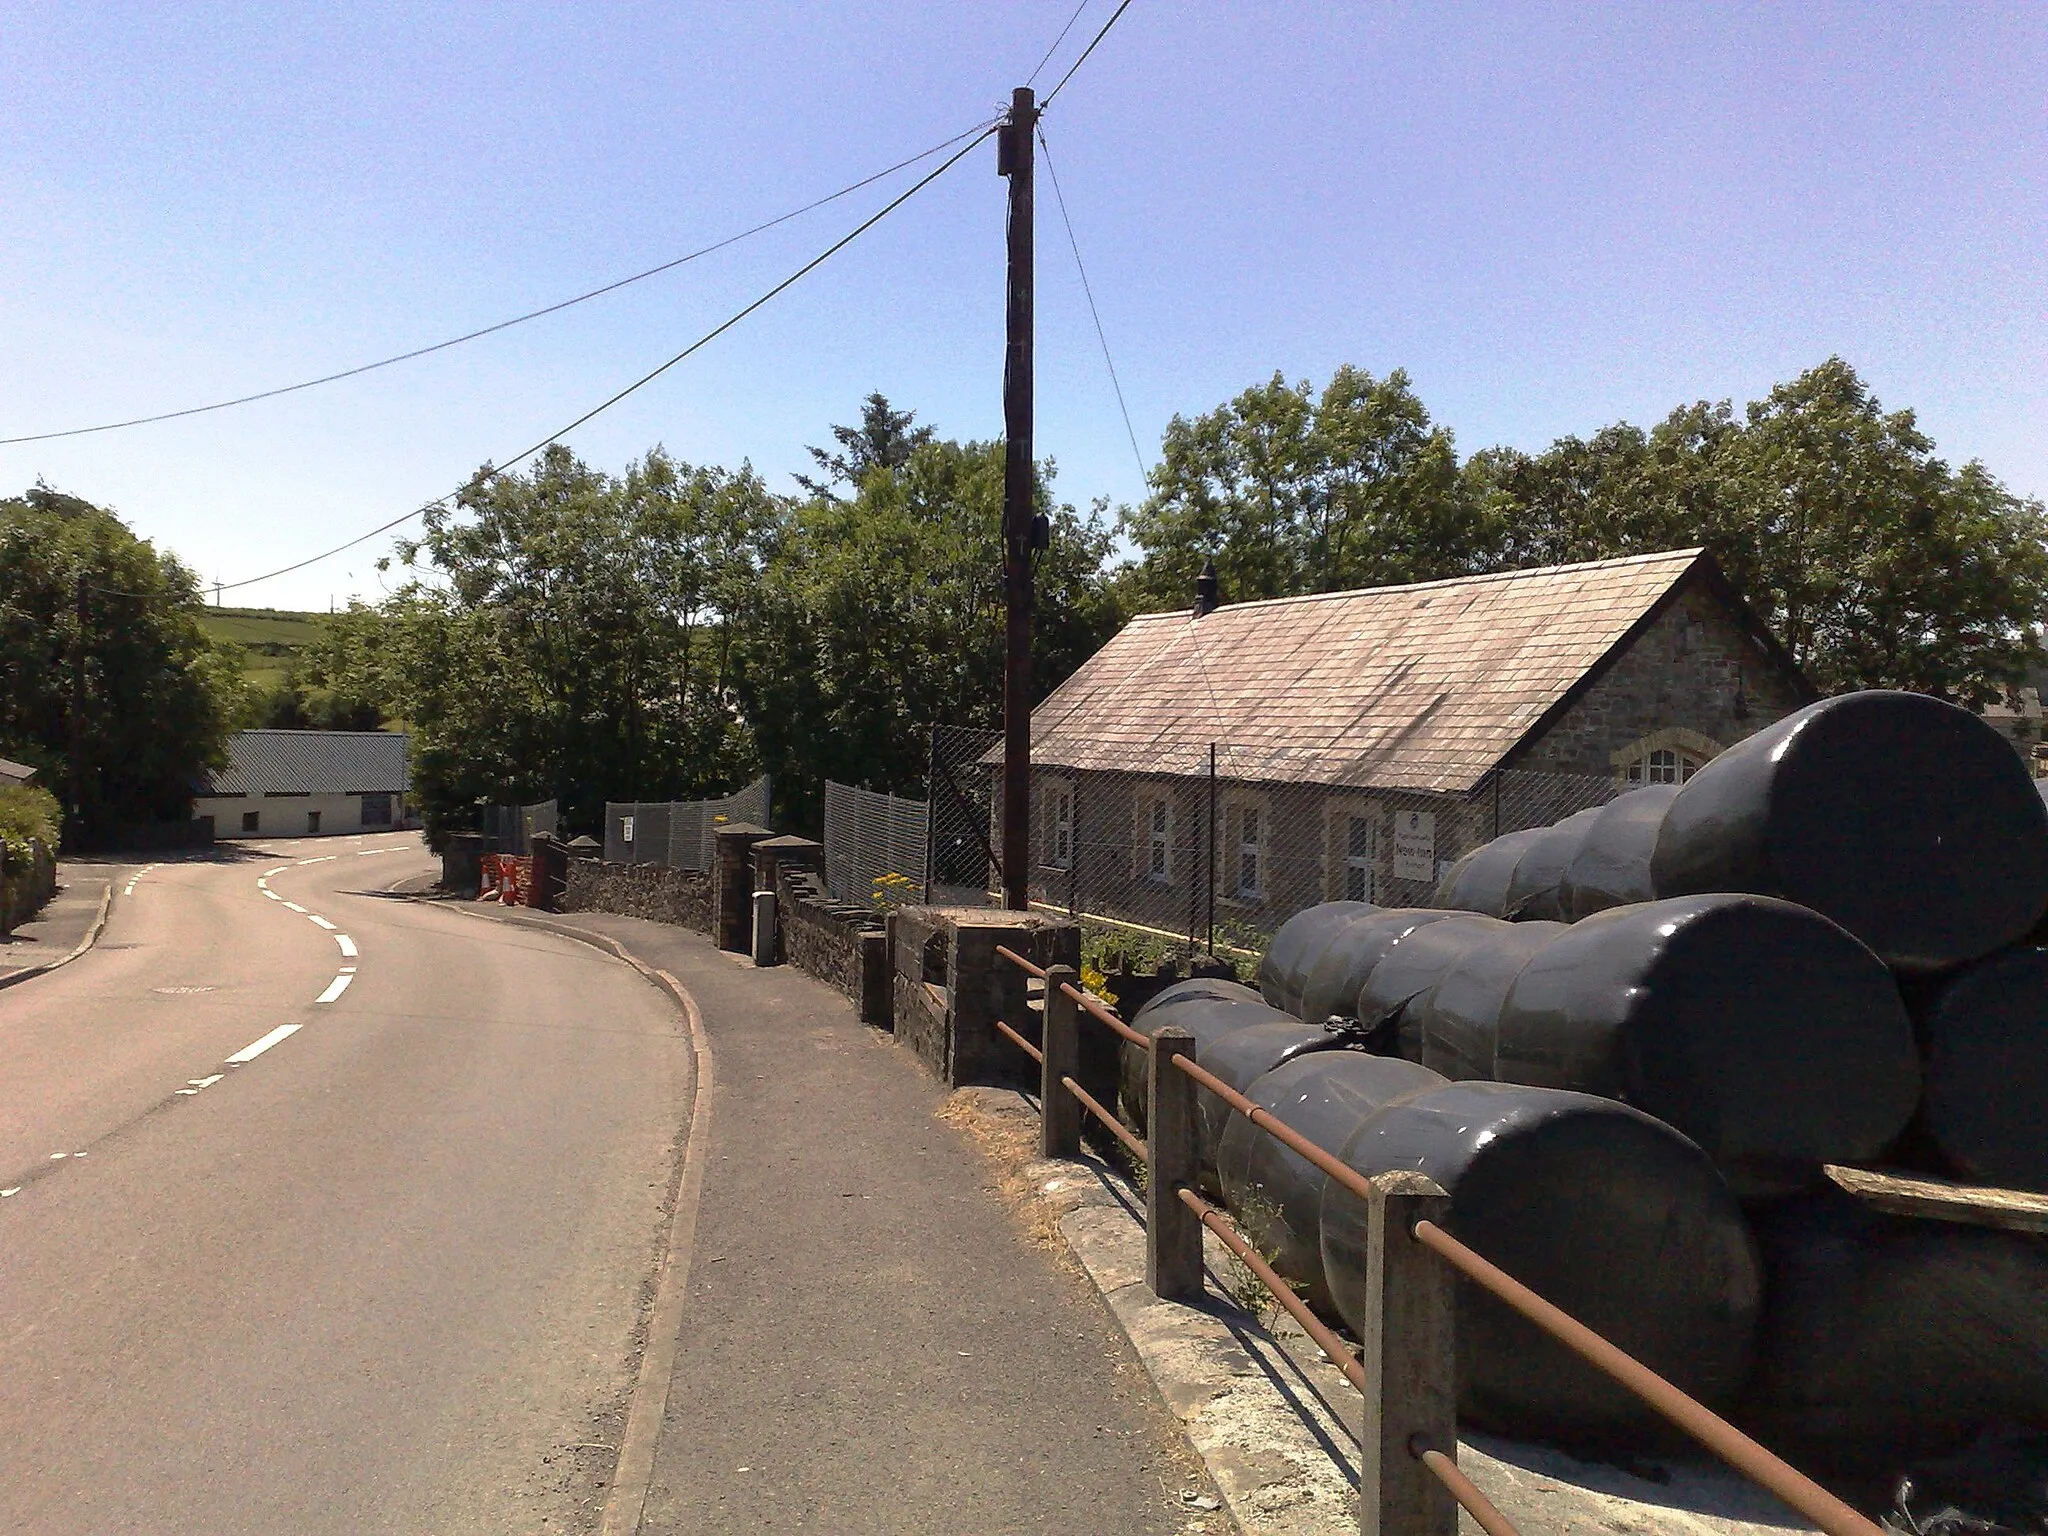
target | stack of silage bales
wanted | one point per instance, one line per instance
(1615, 1216)
(1729, 956)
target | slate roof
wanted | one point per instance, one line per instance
(12, 772)
(313, 763)
(1423, 687)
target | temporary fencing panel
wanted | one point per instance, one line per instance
(875, 845)
(678, 834)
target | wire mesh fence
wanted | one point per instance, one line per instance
(678, 834)
(875, 845)
(1207, 850)
(510, 828)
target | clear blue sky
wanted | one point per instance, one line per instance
(1553, 217)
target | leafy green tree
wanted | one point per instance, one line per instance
(883, 612)
(161, 697)
(1293, 492)
(568, 635)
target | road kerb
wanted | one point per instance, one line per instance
(91, 938)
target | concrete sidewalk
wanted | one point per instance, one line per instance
(872, 1342)
(65, 927)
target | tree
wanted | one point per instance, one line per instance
(882, 613)
(1292, 493)
(883, 440)
(569, 636)
(161, 697)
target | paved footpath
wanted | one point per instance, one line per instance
(65, 922)
(871, 1343)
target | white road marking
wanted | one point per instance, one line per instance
(277, 871)
(58, 1157)
(346, 970)
(319, 922)
(321, 860)
(335, 988)
(206, 1082)
(348, 945)
(262, 884)
(249, 1053)
(273, 895)
(294, 906)
(4, 1193)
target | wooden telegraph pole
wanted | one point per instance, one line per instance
(1020, 525)
(76, 831)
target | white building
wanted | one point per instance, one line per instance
(309, 784)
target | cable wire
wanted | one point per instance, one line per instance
(1114, 383)
(502, 325)
(1084, 55)
(1032, 78)
(646, 378)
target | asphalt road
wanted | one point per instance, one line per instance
(294, 1239)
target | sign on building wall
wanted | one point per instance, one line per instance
(1415, 845)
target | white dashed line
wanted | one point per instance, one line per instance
(249, 1053)
(4, 1193)
(277, 871)
(294, 906)
(336, 987)
(324, 858)
(272, 894)
(348, 945)
(319, 922)
(205, 1082)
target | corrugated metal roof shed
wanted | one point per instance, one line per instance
(313, 763)
(1423, 687)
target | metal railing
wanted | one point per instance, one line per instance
(1406, 1368)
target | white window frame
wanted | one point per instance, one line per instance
(1057, 810)
(1156, 838)
(1688, 751)
(1352, 861)
(1249, 845)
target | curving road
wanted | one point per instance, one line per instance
(325, 1211)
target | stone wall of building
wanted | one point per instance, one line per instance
(1695, 670)
(662, 895)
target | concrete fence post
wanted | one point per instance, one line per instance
(1411, 1359)
(1059, 1119)
(1173, 1232)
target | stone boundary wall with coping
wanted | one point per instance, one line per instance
(842, 944)
(681, 897)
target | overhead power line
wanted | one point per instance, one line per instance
(1084, 55)
(1032, 78)
(645, 379)
(1087, 289)
(504, 325)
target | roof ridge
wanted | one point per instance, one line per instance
(1521, 572)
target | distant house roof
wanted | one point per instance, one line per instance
(15, 773)
(312, 763)
(1424, 687)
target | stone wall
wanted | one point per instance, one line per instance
(1696, 668)
(26, 883)
(841, 944)
(661, 895)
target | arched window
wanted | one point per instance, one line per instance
(1664, 757)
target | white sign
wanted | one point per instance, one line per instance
(1415, 845)
(625, 829)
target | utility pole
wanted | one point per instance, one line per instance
(1020, 532)
(77, 764)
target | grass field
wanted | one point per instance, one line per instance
(272, 637)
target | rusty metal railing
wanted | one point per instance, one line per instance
(1406, 1370)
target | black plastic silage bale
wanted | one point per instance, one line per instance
(1536, 894)
(1984, 1038)
(1340, 975)
(1276, 1194)
(1888, 1335)
(1417, 960)
(1908, 821)
(1297, 946)
(1765, 1032)
(1207, 1007)
(1479, 881)
(1604, 1211)
(1611, 867)
(1454, 1027)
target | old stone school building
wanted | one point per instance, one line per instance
(1360, 741)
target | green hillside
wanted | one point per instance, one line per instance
(271, 637)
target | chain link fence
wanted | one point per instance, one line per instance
(678, 834)
(888, 849)
(875, 845)
(1207, 850)
(510, 828)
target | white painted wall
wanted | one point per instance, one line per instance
(285, 815)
